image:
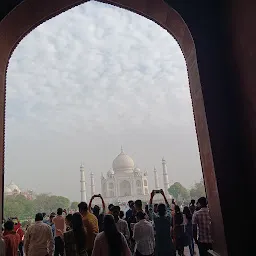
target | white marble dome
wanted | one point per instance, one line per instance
(7, 190)
(14, 188)
(123, 162)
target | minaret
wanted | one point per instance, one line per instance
(165, 177)
(156, 179)
(92, 184)
(83, 184)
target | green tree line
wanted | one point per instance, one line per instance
(23, 208)
(180, 193)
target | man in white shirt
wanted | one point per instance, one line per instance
(38, 239)
(143, 234)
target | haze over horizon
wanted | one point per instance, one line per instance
(87, 82)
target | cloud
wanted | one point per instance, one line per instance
(98, 70)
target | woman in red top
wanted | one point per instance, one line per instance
(11, 239)
(18, 229)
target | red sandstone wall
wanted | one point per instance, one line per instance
(243, 32)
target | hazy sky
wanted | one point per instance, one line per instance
(88, 81)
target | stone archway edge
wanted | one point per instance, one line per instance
(31, 13)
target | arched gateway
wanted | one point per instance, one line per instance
(31, 13)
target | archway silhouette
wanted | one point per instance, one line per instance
(17, 25)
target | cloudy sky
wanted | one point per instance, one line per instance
(88, 81)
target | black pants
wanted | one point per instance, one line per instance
(139, 254)
(59, 246)
(203, 248)
(21, 248)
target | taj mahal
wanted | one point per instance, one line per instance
(124, 181)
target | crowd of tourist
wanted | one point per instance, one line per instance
(155, 229)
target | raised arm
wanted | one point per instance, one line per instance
(151, 212)
(151, 197)
(163, 194)
(168, 208)
(103, 203)
(90, 204)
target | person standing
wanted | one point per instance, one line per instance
(60, 228)
(11, 239)
(202, 220)
(138, 208)
(131, 220)
(18, 229)
(96, 210)
(121, 215)
(121, 225)
(110, 242)
(143, 234)
(68, 221)
(178, 228)
(110, 207)
(38, 239)
(90, 222)
(129, 212)
(192, 206)
(75, 237)
(187, 221)
(162, 222)
(51, 224)
(173, 205)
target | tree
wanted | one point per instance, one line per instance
(198, 190)
(62, 202)
(47, 203)
(74, 205)
(13, 209)
(178, 191)
(42, 203)
(23, 208)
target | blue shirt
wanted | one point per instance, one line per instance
(51, 224)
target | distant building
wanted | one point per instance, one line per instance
(124, 181)
(13, 190)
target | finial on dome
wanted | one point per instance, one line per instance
(122, 150)
(154, 168)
